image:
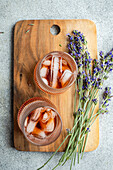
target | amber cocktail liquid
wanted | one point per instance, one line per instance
(40, 123)
(55, 71)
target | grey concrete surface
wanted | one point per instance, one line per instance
(11, 11)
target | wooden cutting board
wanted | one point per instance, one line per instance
(28, 49)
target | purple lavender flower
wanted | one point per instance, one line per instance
(88, 130)
(101, 53)
(107, 93)
(68, 34)
(105, 103)
(94, 101)
(68, 131)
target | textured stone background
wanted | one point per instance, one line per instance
(101, 12)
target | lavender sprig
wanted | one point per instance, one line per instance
(96, 79)
(88, 85)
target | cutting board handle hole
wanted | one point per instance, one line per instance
(55, 30)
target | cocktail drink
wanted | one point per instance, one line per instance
(39, 121)
(55, 72)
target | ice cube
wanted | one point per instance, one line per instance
(48, 110)
(36, 113)
(45, 117)
(61, 64)
(64, 62)
(51, 73)
(54, 71)
(65, 77)
(44, 71)
(45, 81)
(38, 132)
(47, 63)
(26, 121)
(31, 125)
(53, 114)
(50, 125)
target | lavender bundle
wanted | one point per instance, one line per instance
(87, 86)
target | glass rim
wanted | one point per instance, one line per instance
(57, 90)
(29, 102)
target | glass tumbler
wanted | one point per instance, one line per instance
(55, 72)
(39, 121)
